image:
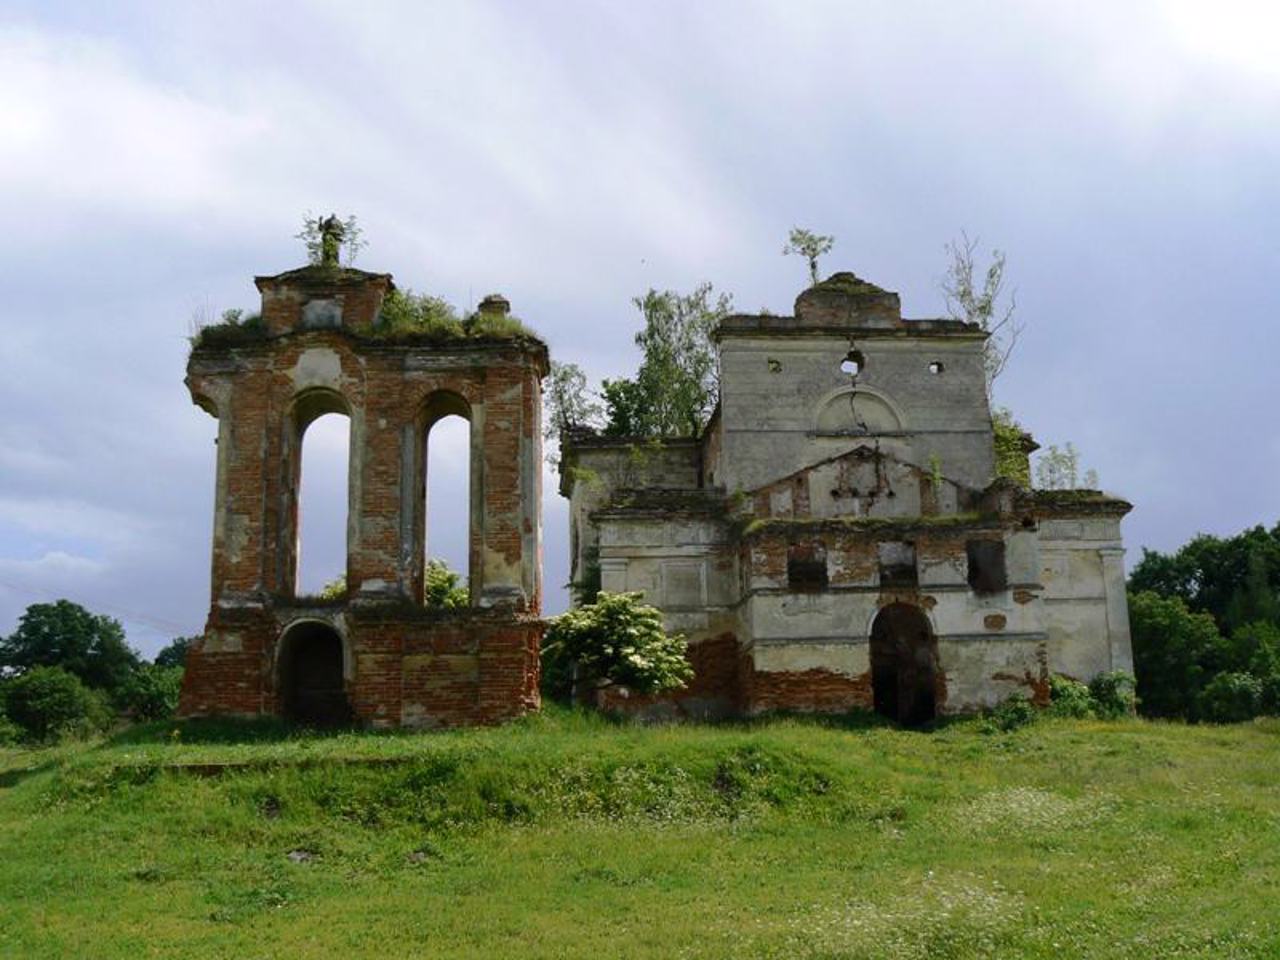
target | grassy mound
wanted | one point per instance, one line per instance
(566, 835)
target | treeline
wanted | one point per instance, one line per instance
(67, 671)
(1206, 628)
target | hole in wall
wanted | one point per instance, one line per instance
(807, 566)
(853, 363)
(935, 366)
(987, 572)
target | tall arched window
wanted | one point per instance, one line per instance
(447, 491)
(322, 491)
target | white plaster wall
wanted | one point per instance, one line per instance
(1085, 609)
(980, 672)
(770, 418)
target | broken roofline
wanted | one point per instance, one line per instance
(770, 325)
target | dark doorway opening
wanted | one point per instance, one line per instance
(904, 665)
(312, 688)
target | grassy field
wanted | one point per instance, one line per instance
(566, 836)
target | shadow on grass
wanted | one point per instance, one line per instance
(554, 717)
(11, 778)
(221, 730)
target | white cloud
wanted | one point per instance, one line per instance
(89, 135)
(52, 567)
(73, 519)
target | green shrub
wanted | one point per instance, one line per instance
(1011, 714)
(443, 587)
(496, 326)
(233, 327)
(1175, 653)
(1011, 443)
(1069, 698)
(618, 640)
(1271, 695)
(175, 653)
(418, 314)
(1114, 695)
(1230, 698)
(10, 732)
(152, 692)
(48, 703)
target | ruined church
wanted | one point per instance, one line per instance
(839, 535)
(374, 654)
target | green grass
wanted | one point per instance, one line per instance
(568, 836)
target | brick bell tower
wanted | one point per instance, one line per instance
(377, 655)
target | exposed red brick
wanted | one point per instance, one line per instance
(814, 691)
(404, 664)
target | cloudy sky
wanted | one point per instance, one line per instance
(154, 157)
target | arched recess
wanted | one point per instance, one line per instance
(858, 411)
(312, 670)
(316, 531)
(449, 489)
(904, 665)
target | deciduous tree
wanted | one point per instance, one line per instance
(977, 296)
(678, 382)
(811, 246)
(66, 635)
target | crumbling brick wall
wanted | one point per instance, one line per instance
(320, 351)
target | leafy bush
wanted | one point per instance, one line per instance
(1011, 443)
(1230, 698)
(48, 703)
(335, 589)
(418, 314)
(10, 732)
(175, 654)
(618, 640)
(1175, 653)
(496, 326)
(152, 692)
(443, 587)
(1011, 714)
(1069, 698)
(1114, 695)
(232, 327)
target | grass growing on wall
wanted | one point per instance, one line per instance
(568, 836)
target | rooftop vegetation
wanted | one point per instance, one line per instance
(405, 315)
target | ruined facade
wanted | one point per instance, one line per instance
(375, 655)
(837, 537)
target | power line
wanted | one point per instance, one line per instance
(157, 624)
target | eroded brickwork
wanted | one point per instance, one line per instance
(841, 519)
(320, 350)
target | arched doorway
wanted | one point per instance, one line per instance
(904, 665)
(312, 686)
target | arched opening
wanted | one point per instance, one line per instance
(448, 499)
(904, 665)
(322, 486)
(311, 677)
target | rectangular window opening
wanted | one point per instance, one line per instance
(986, 565)
(897, 564)
(807, 567)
